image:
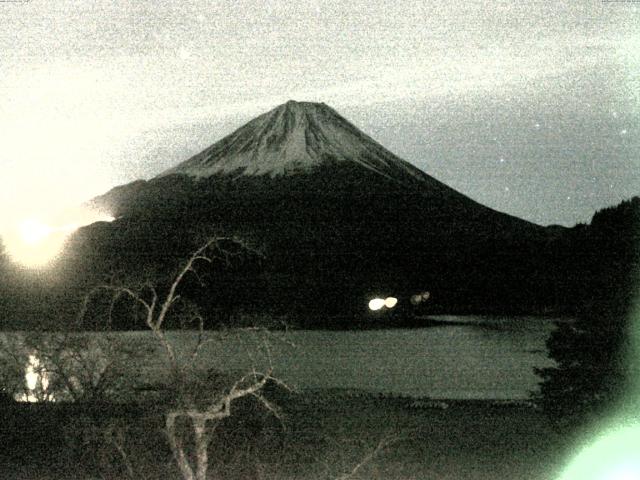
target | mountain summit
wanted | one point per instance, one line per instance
(292, 138)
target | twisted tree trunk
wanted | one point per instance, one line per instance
(202, 446)
(176, 447)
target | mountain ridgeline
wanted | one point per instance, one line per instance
(338, 218)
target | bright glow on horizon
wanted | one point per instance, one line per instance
(34, 231)
(34, 243)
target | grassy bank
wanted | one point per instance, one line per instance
(322, 435)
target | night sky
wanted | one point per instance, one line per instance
(529, 107)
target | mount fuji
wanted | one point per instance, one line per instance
(292, 140)
(339, 217)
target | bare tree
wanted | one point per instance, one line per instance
(197, 401)
(385, 442)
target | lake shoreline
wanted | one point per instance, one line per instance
(369, 321)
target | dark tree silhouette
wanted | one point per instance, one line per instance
(593, 369)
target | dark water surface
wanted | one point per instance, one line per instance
(473, 357)
(467, 357)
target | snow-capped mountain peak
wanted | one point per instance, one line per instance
(293, 137)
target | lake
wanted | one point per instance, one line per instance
(471, 357)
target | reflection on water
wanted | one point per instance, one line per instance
(37, 382)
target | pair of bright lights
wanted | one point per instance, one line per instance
(379, 303)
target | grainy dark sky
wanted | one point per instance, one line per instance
(530, 107)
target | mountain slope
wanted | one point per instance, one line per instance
(339, 217)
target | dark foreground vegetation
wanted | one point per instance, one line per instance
(322, 435)
(597, 355)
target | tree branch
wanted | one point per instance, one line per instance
(382, 444)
